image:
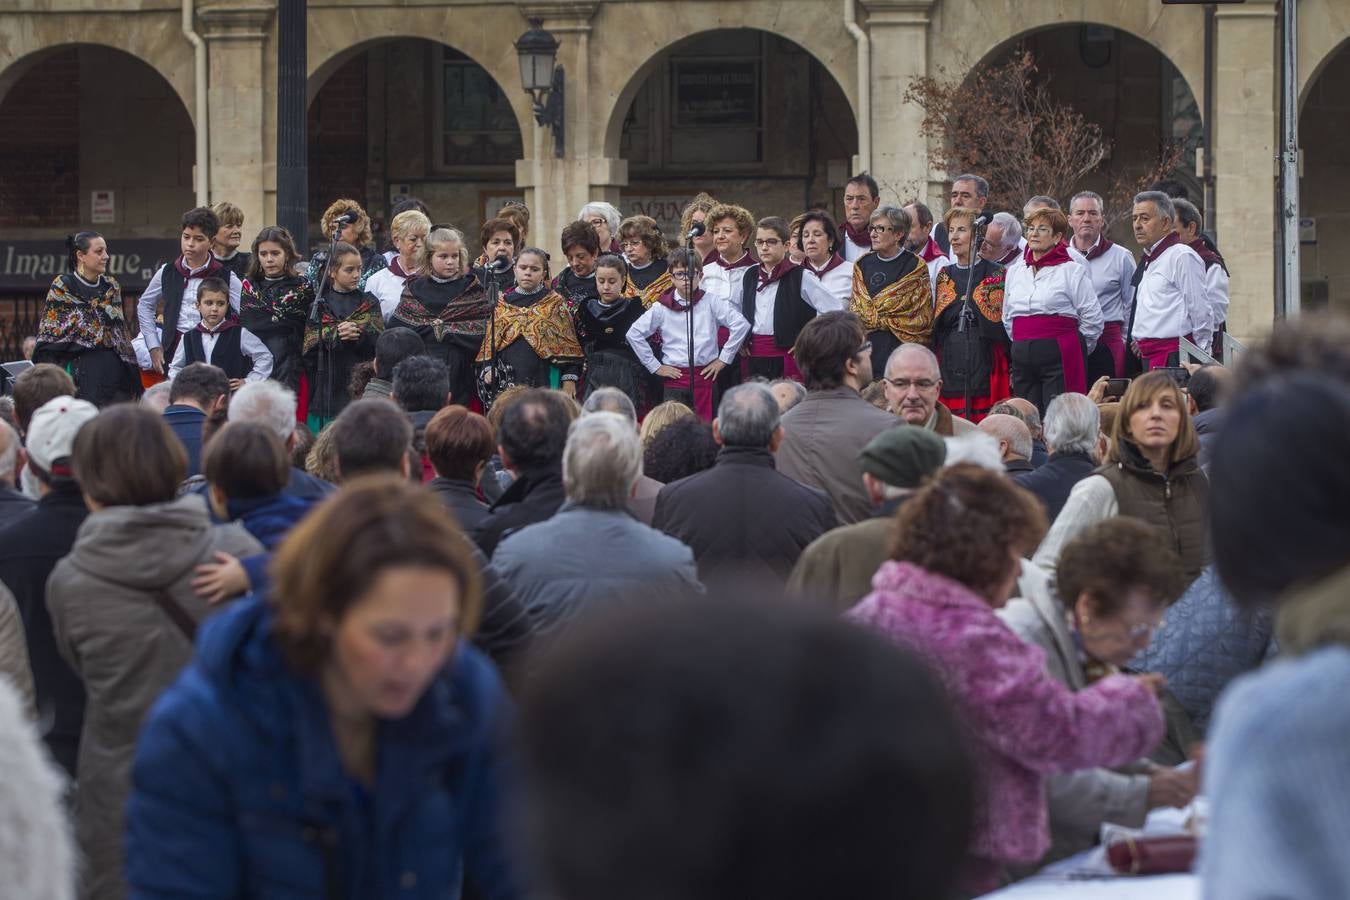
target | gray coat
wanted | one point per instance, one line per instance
(1079, 801)
(126, 649)
(14, 652)
(822, 437)
(584, 558)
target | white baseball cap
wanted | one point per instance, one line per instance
(51, 433)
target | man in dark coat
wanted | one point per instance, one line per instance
(1072, 434)
(29, 549)
(531, 440)
(742, 517)
(198, 392)
(1014, 443)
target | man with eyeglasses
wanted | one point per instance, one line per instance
(913, 385)
(861, 198)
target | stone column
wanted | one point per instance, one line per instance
(555, 189)
(1246, 120)
(898, 30)
(236, 37)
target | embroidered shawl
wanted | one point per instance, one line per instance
(654, 290)
(84, 315)
(283, 301)
(988, 295)
(367, 314)
(903, 307)
(546, 325)
(466, 314)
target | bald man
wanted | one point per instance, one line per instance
(1027, 412)
(1014, 442)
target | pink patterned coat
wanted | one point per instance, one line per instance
(1025, 724)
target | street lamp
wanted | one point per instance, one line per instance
(542, 79)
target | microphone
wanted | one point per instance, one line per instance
(500, 264)
(347, 218)
(981, 221)
(696, 231)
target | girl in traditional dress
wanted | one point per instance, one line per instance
(275, 302)
(349, 325)
(448, 308)
(891, 291)
(83, 328)
(610, 361)
(531, 333)
(973, 356)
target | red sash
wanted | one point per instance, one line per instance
(1063, 330)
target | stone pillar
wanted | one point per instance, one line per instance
(236, 36)
(898, 30)
(555, 189)
(1246, 144)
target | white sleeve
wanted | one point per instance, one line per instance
(1091, 500)
(1190, 275)
(1216, 286)
(1088, 307)
(1128, 266)
(257, 351)
(146, 306)
(730, 317)
(236, 290)
(825, 297)
(645, 326)
(1008, 285)
(179, 360)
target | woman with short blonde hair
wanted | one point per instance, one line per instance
(409, 231)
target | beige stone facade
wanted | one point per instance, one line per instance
(610, 49)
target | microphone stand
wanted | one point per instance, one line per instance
(967, 318)
(689, 311)
(324, 373)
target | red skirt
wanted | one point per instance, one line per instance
(703, 392)
(1156, 352)
(1000, 389)
(764, 347)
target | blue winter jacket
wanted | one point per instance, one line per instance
(269, 520)
(237, 790)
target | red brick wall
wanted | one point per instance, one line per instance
(337, 139)
(40, 145)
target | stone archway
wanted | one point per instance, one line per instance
(29, 38)
(85, 117)
(1324, 129)
(1322, 29)
(653, 29)
(395, 117)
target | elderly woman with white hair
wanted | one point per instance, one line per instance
(1075, 443)
(409, 229)
(619, 560)
(605, 219)
(272, 404)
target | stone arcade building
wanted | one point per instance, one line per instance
(769, 103)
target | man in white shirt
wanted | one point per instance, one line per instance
(1170, 300)
(176, 285)
(920, 241)
(1190, 228)
(1111, 268)
(861, 198)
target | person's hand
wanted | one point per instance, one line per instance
(236, 384)
(157, 360)
(1192, 367)
(348, 331)
(1134, 348)
(1172, 787)
(1098, 393)
(1154, 681)
(569, 388)
(221, 579)
(711, 370)
(668, 372)
(744, 352)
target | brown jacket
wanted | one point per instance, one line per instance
(822, 437)
(1177, 503)
(836, 569)
(126, 649)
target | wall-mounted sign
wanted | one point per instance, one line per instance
(102, 209)
(716, 92)
(31, 265)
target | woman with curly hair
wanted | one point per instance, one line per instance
(696, 213)
(357, 233)
(644, 247)
(955, 560)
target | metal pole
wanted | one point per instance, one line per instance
(292, 143)
(1289, 159)
(1207, 177)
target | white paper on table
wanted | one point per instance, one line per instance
(1158, 887)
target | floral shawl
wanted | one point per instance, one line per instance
(78, 314)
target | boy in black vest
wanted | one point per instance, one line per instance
(771, 300)
(176, 285)
(219, 340)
